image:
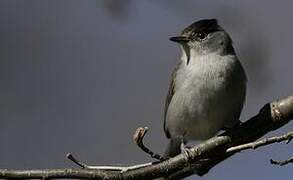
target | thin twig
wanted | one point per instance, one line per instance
(263, 142)
(282, 163)
(138, 140)
(107, 168)
(73, 159)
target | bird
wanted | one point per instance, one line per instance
(208, 86)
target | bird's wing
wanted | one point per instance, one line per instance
(170, 94)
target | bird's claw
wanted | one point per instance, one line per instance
(185, 150)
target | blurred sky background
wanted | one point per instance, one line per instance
(81, 76)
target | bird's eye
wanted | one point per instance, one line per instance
(201, 35)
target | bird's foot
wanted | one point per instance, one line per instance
(185, 150)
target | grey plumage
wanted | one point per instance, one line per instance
(208, 86)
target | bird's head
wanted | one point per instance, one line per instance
(204, 37)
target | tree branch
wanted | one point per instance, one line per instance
(201, 158)
(282, 163)
(260, 143)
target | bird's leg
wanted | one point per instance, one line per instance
(184, 148)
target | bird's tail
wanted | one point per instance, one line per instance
(173, 148)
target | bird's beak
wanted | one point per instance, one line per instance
(180, 39)
(183, 40)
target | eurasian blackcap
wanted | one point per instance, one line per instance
(208, 86)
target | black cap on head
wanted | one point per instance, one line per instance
(205, 26)
(202, 27)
